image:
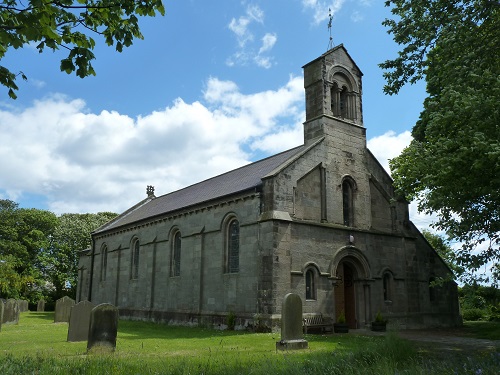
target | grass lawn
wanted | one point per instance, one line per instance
(38, 346)
(482, 330)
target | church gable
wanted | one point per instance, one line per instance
(308, 195)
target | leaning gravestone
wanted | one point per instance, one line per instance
(11, 312)
(40, 306)
(103, 327)
(79, 321)
(291, 324)
(63, 309)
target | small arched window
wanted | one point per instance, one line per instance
(347, 202)
(233, 246)
(387, 284)
(310, 285)
(104, 262)
(134, 274)
(176, 254)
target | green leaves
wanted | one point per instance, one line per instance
(68, 24)
(452, 166)
(71, 235)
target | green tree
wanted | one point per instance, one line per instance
(60, 259)
(24, 234)
(69, 24)
(452, 166)
(10, 281)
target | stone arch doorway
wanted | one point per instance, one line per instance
(351, 274)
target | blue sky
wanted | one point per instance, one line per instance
(212, 86)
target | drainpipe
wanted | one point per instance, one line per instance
(92, 250)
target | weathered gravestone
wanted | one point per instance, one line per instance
(23, 305)
(40, 306)
(103, 327)
(291, 324)
(11, 312)
(63, 309)
(79, 321)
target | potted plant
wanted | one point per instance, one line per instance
(379, 324)
(341, 326)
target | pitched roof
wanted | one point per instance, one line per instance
(238, 180)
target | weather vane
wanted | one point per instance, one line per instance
(330, 43)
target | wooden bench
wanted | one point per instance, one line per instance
(317, 321)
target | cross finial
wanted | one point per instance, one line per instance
(330, 43)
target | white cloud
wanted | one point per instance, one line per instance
(247, 50)
(388, 146)
(240, 26)
(322, 9)
(356, 16)
(88, 162)
(255, 13)
(268, 42)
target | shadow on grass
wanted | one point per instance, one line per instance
(142, 330)
(41, 315)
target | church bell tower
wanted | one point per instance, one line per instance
(332, 84)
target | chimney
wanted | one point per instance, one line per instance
(150, 191)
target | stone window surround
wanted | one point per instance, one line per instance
(135, 258)
(175, 252)
(231, 254)
(310, 283)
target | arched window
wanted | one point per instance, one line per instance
(134, 274)
(347, 202)
(104, 261)
(343, 96)
(233, 246)
(310, 285)
(387, 281)
(176, 255)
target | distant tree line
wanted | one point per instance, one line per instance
(39, 250)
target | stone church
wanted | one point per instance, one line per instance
(321, 220)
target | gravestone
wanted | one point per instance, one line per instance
(40, 306)
(79, 321)
(103, 327)
(23, 305)
(291, 324)
(63, 309)
(11, 312)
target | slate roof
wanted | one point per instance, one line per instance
(248, 177)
